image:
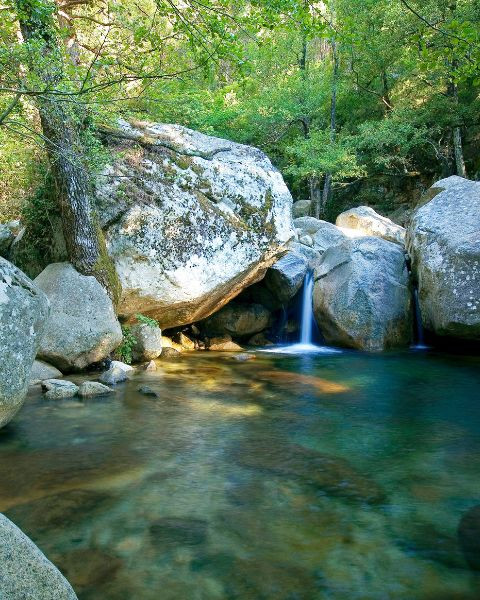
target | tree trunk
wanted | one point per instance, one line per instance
(315, 188)
(83, 236)
(457, 147)
(327, 186)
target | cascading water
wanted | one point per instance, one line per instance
(307, 311)
(305, 345)
(417, 315)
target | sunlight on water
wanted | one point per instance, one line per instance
(306, 477)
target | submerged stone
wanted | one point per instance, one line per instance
(147, 391)
(88, 568)
(178, 531)
(57, 511)
(331, 474)
(469, 537)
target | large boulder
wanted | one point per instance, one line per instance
(361, 295)
(82, 327)
(23, 311)
(369, 222)
(443, 240)
(25, 572)
(190, 220)
(285, 277)
(237, 320)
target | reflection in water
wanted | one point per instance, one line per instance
(342, 476)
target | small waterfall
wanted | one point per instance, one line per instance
(305, 345)
(307, 311)
(417, 316)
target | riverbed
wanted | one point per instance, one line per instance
(278, 477)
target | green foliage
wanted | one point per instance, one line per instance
(146, 320)
(261, 73)
(125, 351)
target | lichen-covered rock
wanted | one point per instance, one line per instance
(190, 220)
(361, 295)
(148, 341)
(368, 222)
(237, 320)
(25, 573)
(23, 312)
(82, 327)
(443, 240)
(285, 277)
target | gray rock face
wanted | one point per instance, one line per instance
(190, 220)
(369, 222)
(326, 236)
(148, 342)
(308, 225)
(23, 312)
(361, 295)
(82, 327)
(301, 208)
(443, 240)
(25, 573)
(42, 370)
(285, 277)
(237, 320)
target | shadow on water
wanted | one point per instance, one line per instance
(309, 477)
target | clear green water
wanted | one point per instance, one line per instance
(325, 477)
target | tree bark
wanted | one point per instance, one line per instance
(84, 238)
